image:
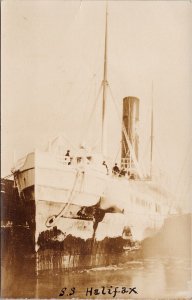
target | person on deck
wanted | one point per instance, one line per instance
(68, 153)
(68, 159)
(116, 170)
(122, 172)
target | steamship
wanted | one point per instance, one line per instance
(78, 193)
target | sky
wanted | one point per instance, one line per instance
(52, 67)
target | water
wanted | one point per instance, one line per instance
(44, 275)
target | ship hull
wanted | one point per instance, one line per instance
(74, 224)
(85, 203)
(145, 207)
(65, 198)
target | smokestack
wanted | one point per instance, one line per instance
(130, 121)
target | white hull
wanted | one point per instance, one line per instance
(61, 194)
(111, 225)
(145, 208)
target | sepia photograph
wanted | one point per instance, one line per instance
(96, 149)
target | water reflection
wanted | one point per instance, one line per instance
(43, 275)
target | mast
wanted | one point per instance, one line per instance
(152, 137)
(104, 84)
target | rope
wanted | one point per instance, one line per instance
(80, 189)
(92, 112)
(52, 220)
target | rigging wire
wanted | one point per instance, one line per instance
(80, 68)
(86, 103)
(92, 112)
(68, 114)
(162, 159)
(67, 32)
(119, 148)
(147, 143)
(96, 69)
(61, 136)
(70, 89)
